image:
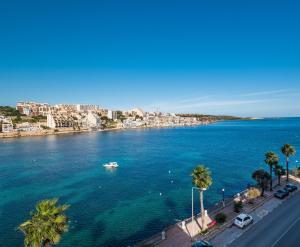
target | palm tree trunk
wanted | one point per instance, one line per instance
(271, 180)
(47, 243)
(262, 189)
(287, 168)
(202, 210)
(279, 179)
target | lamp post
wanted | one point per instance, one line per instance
(223, 196)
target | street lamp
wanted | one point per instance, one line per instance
(223, 195)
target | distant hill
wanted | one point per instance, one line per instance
(212, 117)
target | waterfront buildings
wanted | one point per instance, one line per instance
(33, 108)
(27, 127)
(69, 117)
(60, 121)
(76, 120)
(6, 124)
(93, 120)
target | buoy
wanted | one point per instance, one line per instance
(160, 194)
(169, 171)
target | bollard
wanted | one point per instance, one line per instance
(183, 224)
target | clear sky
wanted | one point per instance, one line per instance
(218, 57)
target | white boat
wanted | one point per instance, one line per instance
(111, 165)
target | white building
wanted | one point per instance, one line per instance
(112, 114)
(7, 125)
(50, 121)
(27, 127)
(93, 120)
(86, 108)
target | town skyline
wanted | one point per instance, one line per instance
(207, 105)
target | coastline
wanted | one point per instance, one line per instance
(66, 131)
(39, 133)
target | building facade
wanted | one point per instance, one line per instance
(33, 109)
(6, 125)
(112, 115)
(93, 120)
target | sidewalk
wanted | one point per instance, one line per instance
(182, 234)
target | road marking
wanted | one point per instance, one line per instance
(285, 232)
(262, 213)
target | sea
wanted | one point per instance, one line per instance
(151, 188)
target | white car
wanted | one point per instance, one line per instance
(243, 220)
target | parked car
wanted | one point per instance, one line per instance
(282, 193)
(202, 243)
(243, 220)
(291, 187)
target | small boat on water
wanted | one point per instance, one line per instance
(111, 165)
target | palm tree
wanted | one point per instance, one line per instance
(47, 224)
(202, 180)
(271, 159)
(262, 178)
(279, 171)
(287, 150)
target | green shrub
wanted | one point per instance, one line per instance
(204, 231)
(238, 206)
(220, 218)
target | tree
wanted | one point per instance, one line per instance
(201, 178)
(279, 171)
(262, 178)
(9, 111)
(252, 194)
(271, 159)
(47, 224)
(287, 150)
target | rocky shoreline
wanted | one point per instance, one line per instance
(61, 131)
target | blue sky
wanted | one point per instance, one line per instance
(216, 57)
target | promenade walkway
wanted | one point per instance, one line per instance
(183, 234)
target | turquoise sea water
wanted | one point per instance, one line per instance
(118, 208)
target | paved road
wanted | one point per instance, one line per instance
(280, 228)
